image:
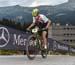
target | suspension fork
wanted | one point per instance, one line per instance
(38, 40)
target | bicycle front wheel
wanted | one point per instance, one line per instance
(32, 47)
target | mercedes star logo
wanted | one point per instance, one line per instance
(4, 36)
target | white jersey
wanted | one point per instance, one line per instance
(41, 16)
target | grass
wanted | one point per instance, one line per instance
(17, 52)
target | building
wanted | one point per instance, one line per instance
(63, 33)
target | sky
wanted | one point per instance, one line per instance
(30, 3)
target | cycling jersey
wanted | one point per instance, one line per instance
(40, 18)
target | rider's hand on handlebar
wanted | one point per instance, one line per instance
(27, 29)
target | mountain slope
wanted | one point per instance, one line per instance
(62, 13)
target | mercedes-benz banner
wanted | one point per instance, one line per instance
(13, 39)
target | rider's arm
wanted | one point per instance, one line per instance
(46, 20)
(31, 25)
(48, 24)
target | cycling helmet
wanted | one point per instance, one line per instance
(35, 12)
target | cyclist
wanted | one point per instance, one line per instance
(42, 22)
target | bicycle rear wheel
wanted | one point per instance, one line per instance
(32, 47)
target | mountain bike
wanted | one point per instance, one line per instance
(35, 46)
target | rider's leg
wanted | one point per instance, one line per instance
(44, 34)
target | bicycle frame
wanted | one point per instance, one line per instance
(38, 37)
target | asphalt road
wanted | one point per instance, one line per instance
(50, 60)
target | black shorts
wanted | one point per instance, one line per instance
(40, 25)
(40, 32)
